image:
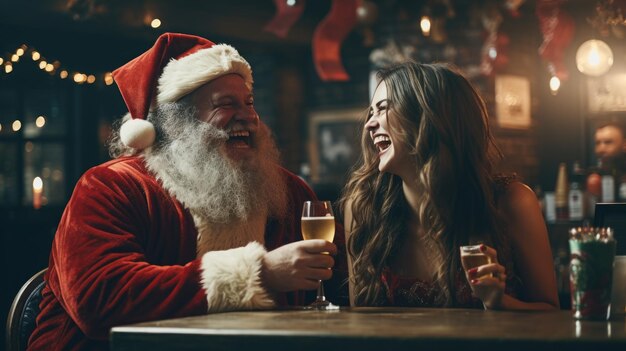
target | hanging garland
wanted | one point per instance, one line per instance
(52, 67)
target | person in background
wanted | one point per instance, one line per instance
(194, 215)
(610, 145)
(424, 187)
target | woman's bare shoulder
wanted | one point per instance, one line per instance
(517, 199)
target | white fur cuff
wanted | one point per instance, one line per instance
(231, 279)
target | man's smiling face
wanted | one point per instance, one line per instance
(228, 104)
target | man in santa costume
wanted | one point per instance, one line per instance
(194, 215)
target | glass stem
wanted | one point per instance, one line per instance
(320, 292)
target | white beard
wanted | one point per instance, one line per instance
(230, 201)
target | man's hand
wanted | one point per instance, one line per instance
(298, 265)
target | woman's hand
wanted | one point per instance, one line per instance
(488, 281)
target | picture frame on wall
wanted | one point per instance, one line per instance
(607, 93)
(512, 99)
(334, 143)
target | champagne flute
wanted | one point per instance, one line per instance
(318, 222)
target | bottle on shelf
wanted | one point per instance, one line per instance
(576, 195)
(549, 207)
(621, 189)
(608, 182)
(561, 193)
(593, 189)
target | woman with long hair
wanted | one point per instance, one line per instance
(425, 186)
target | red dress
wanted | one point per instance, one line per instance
(412, 292)
(125, 252)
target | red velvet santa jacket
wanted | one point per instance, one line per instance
(125, 252)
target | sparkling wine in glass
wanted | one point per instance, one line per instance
(318, 222)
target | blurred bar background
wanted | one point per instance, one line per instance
(58, 100)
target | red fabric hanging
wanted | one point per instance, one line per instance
(286, 16)
(558, 31)
(327, 39)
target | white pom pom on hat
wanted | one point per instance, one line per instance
(137, 133)
(175, 66)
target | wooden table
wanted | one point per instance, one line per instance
(374, 329)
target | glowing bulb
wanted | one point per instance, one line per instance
(19, 52)
(37, 184)
(49, 67)
(291, 2)
(594, 58)
(15, 58)
(91, 79)
(35, 55)
(0, 127)
(42, 64)
(17, 125)
(108, 78)
(493, 53)
(8, 68)
(40, 121)
(425, 25)
(1, 60)
(156, 23)
(63, 74)
(555, 84)
(78, 78)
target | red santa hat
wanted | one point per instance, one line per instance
(175, 66)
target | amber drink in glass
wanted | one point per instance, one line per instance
(472, 257)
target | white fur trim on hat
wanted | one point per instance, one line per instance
(137, 133)
(231, 279)
(181, 77)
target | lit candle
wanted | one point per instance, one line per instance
(37, 191)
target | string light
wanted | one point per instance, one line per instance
(40, 121)
(425, 25)
(555, 84)
(53, 67)
(17, 125)
(108, 78)
(156, 23)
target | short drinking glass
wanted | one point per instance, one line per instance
(472, 257)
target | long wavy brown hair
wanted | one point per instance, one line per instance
(443, 122)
